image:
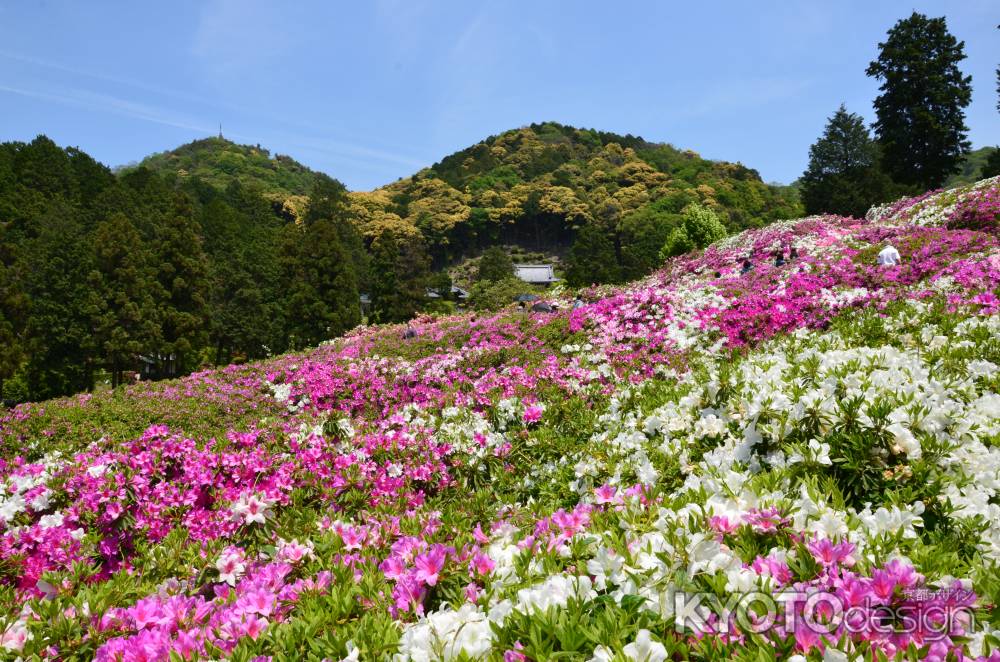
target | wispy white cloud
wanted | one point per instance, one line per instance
(110, 104)
(473, 43)
(335, 147)
(333, 152)
(341, 158)
(301, 136)
(102, 76)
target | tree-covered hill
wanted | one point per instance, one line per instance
(978, 164)
(217, 252)
(219, 162)
(103, 277)
(540, 185)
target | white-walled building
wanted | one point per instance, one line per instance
(535, 274)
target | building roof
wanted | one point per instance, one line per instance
(458, 292)
(536, 274)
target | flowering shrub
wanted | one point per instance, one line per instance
(931, 208)
(980, 210)
(798, 461)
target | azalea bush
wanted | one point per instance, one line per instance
(799, 461)
(979, 211)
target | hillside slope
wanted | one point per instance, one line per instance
(538, 185)
(535, 186)
(520, 485)
(972, 167)
(219, 162)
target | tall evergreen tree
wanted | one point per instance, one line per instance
(592, 258)
(57, 263)
(44, 167)
(241, 241)
(328, 200)
(921, 118)
(322, 300)
(322, 260)
(182, 286)
(992, 166)
(91, 177)
(125, 316)
(228, 276)
(261, 297)
(844, 176)
(13, 310)
(400, 276)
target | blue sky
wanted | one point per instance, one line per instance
(370, 92)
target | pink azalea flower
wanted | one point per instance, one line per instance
(830, 554)
(515, 654)
(352, 537)
(482, 564)
(722, 524)
(393, 567)
(479, 536)
(883, 584)
(255, 627)
(606, 493)
(533, 413)
(429, 565)
(260, 602)
(146, 612)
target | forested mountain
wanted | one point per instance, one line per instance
(220, 162)
(104, 275)
(539, 186)
(978, 164)
(217, 252)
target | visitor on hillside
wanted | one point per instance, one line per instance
(747, 266)
(793, 253)
(409, 333)
(889, 256)
(577, 302)
(779, 257)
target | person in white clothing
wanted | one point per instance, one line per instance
(889, 256)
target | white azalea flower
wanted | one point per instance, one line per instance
(645, 649)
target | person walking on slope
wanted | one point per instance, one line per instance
(889, 256)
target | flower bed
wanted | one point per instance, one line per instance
(799, 460)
